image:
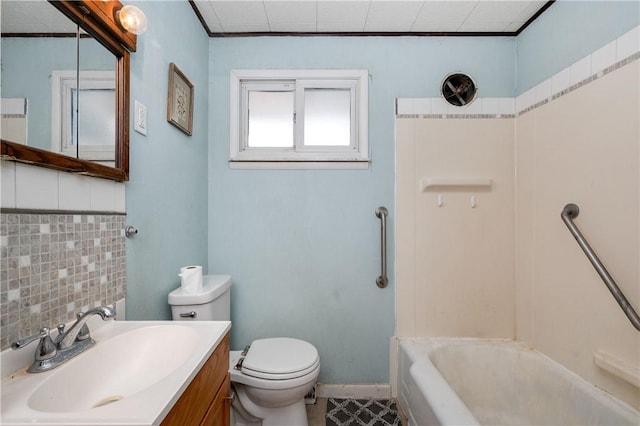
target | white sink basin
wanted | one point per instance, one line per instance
(115, 369)
(132, 375)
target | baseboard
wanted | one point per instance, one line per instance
(374, 390)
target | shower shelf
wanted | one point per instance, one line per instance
(624, 370)
(439, 184)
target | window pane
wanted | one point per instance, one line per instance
(327, 117)
(270, 119)
(96, 118)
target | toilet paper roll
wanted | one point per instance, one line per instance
(191, 278)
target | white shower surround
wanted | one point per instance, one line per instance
(623, 52)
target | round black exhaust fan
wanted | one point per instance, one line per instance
(459, 89)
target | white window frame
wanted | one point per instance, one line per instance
(355, 156)
(63, 82)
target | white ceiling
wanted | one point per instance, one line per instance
(224, 17)
(33, 17)
(365, 16)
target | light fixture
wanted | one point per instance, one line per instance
(132, 19)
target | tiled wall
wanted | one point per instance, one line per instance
(55, 265)
(576, 140)
(582, 148)
(455, 242)
(620, 52)
(23, 186)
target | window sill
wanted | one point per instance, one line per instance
(299, 165)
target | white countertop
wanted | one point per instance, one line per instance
(146, 406)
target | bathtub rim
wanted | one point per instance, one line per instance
(419, 349)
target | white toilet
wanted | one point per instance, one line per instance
(270, 377)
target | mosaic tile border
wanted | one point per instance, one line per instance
(536, 105)
(439, 108)
(582, 83)
(466, 116)
(603, 61)
(54, 265)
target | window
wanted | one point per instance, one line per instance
(299, 119)
(92, 123)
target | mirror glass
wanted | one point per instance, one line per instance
(93, 130)
(59, 85)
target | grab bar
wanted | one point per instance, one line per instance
(382, 213)
(569, 213)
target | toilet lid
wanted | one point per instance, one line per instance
(280, 358)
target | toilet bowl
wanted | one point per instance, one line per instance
(270, 380)
(271, 377)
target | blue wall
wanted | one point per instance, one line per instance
(167, 190)
(303, 246)
(26, 73)
(567, 32)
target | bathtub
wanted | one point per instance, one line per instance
(497, 382)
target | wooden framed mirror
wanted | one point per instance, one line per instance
(96, 22)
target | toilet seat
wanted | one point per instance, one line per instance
(280, 358)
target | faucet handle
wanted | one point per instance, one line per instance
(60, 335)
(21, 343)
(83, 334)
(46, 348)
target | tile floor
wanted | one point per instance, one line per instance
(317, 414)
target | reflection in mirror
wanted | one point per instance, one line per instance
(92, 118)
(27, 63)
(41, 69)
(65, 88)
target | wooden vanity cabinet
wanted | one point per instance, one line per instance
(219, 411)
(206, 401)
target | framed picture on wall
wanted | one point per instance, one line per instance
(180, 100)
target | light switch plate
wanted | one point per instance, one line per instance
(140, 118)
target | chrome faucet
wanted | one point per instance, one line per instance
(51, 353)
(79, 330)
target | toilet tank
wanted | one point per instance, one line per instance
(213, 303)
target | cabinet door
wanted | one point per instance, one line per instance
(197, 399)
(219, 411)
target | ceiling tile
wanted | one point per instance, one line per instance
(436, 27)
(233, 15)
(497, 11)
(206, 10)
(366, 15)
(33, 17)
(346, 15)
(288, 16)
(475, 27)
(293, 27)
(445, 11)
(532, 8)
(513, 27)
(392, 15)
(246, 28)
